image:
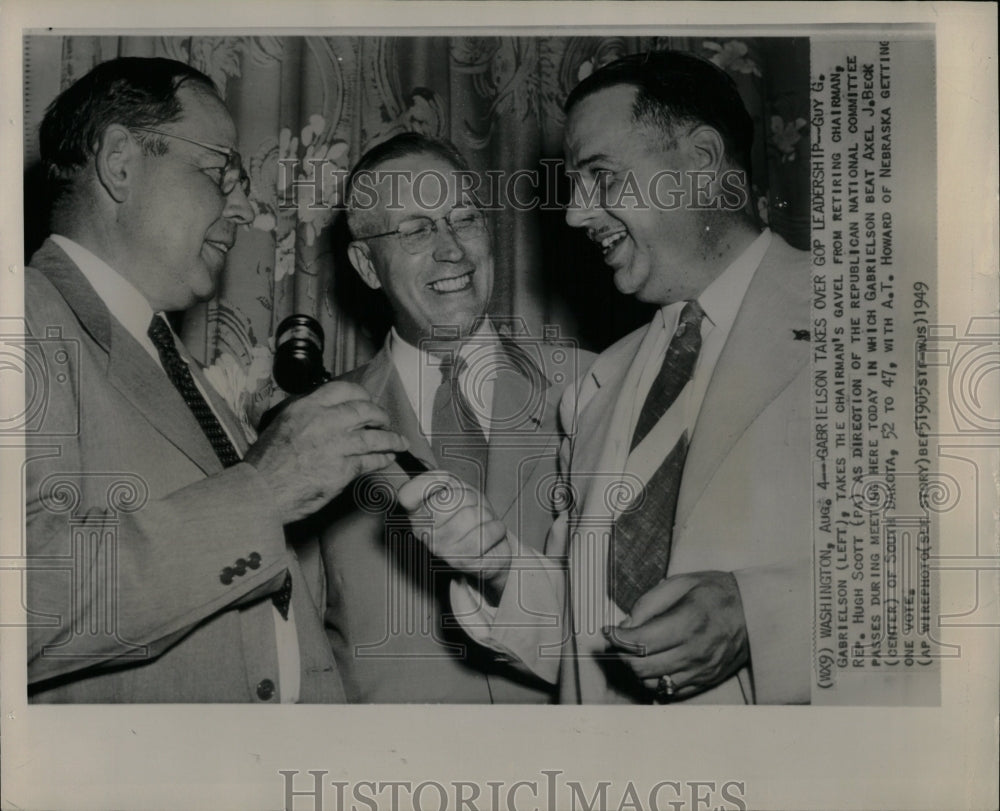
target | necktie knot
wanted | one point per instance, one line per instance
(677, 369)
(452, 368)
(159, 334)
(691, 316)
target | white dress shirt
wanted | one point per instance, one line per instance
(131, 309)
(721, 302)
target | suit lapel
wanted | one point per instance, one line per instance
(600, 395)
(141, 381)
(380, 379)
(130, 369)
(759, 360)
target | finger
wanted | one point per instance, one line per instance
(683, 687)
(494, 533)
(356, 414)
(373, 440)
(474, 529)
(660, 633)
(659, 598)
(415, 492)
(371, 462)
(498, 552)
(615, 640)
(342, 415)
(655, 665)
(463, 553)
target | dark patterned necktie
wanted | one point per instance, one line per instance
(640, 538)
(457, 438)
(180, 375)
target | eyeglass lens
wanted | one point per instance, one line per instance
(416, 234)
(233, 174)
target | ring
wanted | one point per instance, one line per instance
(665, 688)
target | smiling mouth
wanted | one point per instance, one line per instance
(453, 285)
(608, 242)
(221, 247)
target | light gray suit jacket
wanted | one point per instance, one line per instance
(387, 613)
(132, 522)
(745, 506)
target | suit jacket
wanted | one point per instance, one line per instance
(745, 506)
(131, 522)
(387, 614)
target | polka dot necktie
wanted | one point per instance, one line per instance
(180, 375)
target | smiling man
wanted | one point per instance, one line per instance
(472, 399)
(158, 569)
(687, 547)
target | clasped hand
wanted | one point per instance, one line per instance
(463, 529)
(320, 444)
(689, 627)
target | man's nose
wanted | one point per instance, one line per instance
(447, 248)
(238, 207)
(580, 209)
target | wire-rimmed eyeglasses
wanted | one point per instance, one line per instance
(416, 235)
(233, 174)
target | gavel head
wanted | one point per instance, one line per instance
(298, 355)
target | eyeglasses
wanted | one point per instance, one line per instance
(233, 174)
(417, 235)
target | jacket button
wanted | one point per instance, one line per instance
(265, 690)
(254, 562)
(227, 576)
(241, 567)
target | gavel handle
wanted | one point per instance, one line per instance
(410, 464)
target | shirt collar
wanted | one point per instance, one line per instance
(721, 300)
(408, 357)
(123, 300)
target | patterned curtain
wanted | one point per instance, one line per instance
(316, 103)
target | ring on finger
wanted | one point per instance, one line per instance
(665, 688)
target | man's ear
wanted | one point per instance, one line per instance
(115, 161)
(360, 255)
(709, 148)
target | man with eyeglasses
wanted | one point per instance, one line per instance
(470, 396)
(681, 571)
(158, 569)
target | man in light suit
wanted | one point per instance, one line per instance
(388, 616)
(158, 569)
(681, 572)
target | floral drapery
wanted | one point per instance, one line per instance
(316, 103)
